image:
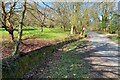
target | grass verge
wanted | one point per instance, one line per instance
(115, 38)
(70, 65)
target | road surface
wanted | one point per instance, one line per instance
(105, 58)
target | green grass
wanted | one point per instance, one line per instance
(48, 33)
(115, 38)
(71, 65)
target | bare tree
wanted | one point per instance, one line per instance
(20, 30)
(7, 16)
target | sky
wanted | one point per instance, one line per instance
(65, 0)
(71, 0)
(79, 0)
(118, 5)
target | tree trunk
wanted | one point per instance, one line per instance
(64, 27)
(11, 34)
(72, 29)
(75, 30)
(20, 31)
(41, 28)
(12, 37)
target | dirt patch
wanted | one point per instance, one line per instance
(32, 44)
(27, 45)
(6, 51)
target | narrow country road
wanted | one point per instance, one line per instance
(105, 58)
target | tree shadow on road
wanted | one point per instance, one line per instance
(103, 60)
